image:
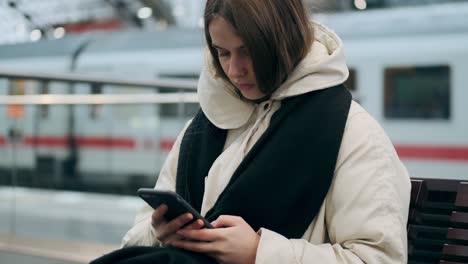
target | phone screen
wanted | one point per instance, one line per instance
(175, 203)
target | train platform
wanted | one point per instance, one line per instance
(11, 258)
(46, 226)
(27, 250)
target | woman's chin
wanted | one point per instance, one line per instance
(251, 94)
(252, 97)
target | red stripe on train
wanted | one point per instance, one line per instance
(91, 142)
(166, 144)
(432, 152)
(404, 151)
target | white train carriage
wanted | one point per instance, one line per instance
(149, 129)
(32, 136)
(409, 68)
(113, 144)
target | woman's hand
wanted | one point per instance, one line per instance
(166, 231)
(232, 241)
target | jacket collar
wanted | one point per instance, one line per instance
(322, 68)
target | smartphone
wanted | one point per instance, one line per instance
(175, 203)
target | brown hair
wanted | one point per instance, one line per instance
(277, 34)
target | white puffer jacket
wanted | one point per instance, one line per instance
(363, 218)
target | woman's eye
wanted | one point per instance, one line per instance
(223, 54)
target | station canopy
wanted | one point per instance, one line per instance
(32, 20)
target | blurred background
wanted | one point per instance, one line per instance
(94, 92)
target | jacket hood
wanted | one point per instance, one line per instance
(323, 67)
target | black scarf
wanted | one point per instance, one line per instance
(282, 182)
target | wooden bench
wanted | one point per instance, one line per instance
(430, 219)
(418, 195)
(455, 250)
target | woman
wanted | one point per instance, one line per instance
(286, 166)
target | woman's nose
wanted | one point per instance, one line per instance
(237, 67)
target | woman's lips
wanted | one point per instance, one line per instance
(245, 86)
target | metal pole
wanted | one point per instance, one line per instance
(14, 137)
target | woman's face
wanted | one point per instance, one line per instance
(234, 58)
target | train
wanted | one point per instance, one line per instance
(116, 146)
(408, 68)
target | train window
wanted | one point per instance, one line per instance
(177, 110)
(16, 88)
(173, 110)
(186, 110)
(44, 109)
(95, 109)
(350, 83)
(188, 76)
(417, 92)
